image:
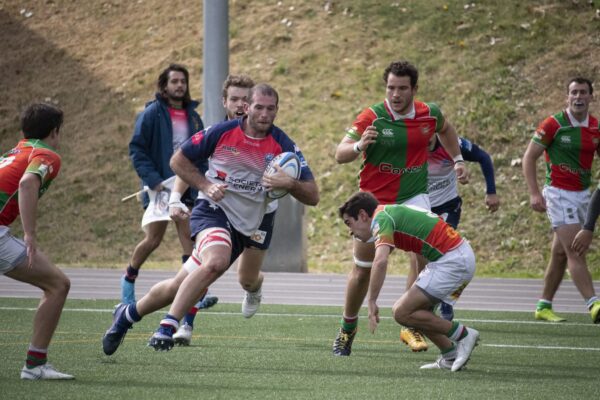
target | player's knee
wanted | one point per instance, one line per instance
(216, 266)
(153, 242)
(60, 287)
(400, 314)
(361, 275)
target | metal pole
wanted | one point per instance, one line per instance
(216, 58)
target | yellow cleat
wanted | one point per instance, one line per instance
(413, 339)
(547, 314)
(595, 311)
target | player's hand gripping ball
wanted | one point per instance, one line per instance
(290, 163)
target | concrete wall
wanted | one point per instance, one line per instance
(287, 252)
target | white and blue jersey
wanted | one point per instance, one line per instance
(239, 161)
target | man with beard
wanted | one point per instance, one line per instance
(231, 204)
(160, 129)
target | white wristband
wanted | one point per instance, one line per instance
(458, 158)
(175, 197)
(356, 149)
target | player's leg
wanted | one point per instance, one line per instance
(55, 287)
(357, 287)
(442, 280)
(212, 257)
(154, 234)
(412, 337)
(566, 211)
(251, 279)
(578, 269)
(450, 212)
(250, 264)
(187, 246)
(552, 278)
(125, 315)
(409, 335)
(183, 336)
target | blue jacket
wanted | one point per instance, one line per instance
(151, 145)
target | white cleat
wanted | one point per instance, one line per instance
(440, 363)
(464, 348)
(183, 336)
(43, 372)
(251, 303)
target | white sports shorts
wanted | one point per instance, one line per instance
(566, 207)
(12, 250)
(446, 278)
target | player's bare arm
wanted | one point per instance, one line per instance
(536, 200)
(29, 189)
(177, 210)
(378, 272)
(189, 173)
(348, 149)
(449, 140)
(306, 192)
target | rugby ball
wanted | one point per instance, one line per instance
(290, 163)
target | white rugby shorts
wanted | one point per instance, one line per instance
(12, 251)
(566, 207)
(446, 278)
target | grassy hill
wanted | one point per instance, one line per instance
(496, 69)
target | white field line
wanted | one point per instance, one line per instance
(483, 321)
(235, 314)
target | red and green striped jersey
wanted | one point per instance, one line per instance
(394, 168)
(29, 156)
(411, 228)
(569, 151)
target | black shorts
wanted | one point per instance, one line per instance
(450, 211)
(204, 216)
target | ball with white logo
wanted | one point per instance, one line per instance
(290, 163)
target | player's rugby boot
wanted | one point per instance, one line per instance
(342, 345)
(43, 372)
(251, 303)
(440, 363)
(183, 336)
(464, 348)
(116, 333)
(413, 339)
(546, 314)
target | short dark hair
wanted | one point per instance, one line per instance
(264, 89)
(581, 80)
(402, 68)
(242, 81)
(163, 80)
(359, 201)
(39, 119)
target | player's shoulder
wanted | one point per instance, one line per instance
(46, 152)
(423, 108)
(593, 122)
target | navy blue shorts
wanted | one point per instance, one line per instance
(450, 211)
(205, 216)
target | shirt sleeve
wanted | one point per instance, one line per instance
(139, 149)
(44, 164)
(472, 152)
(383, 230)
(362, 121)
(544, 134)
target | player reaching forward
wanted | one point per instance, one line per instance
(450, 268)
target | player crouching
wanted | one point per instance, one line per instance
(450, 269)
